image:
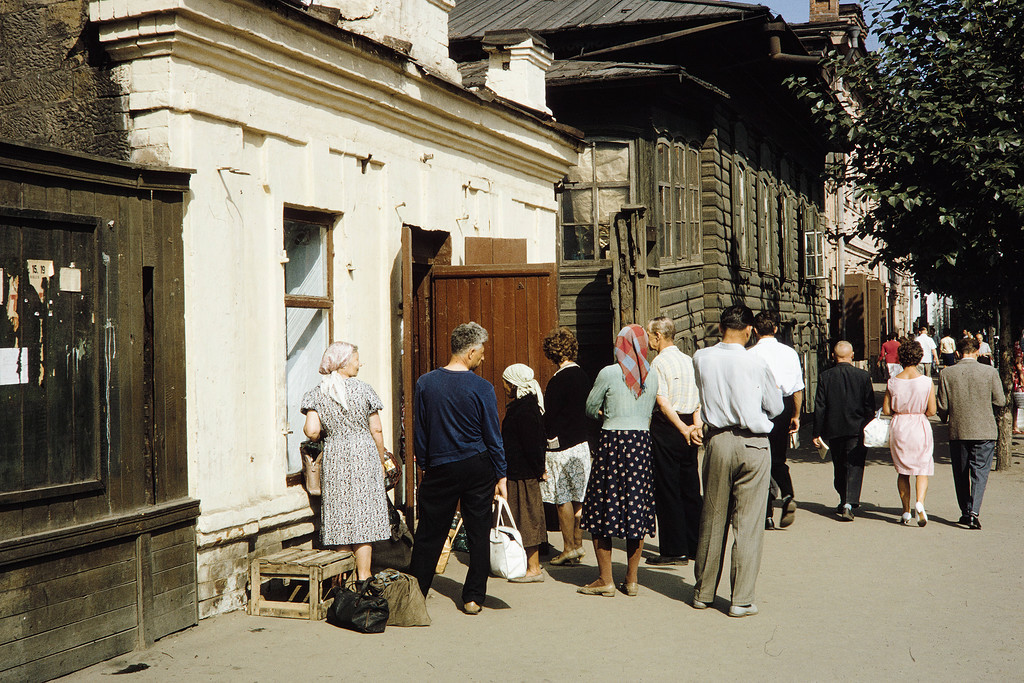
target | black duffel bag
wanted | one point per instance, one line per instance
(363, 609)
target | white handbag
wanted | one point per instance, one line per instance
(508, 556)
(876, 432)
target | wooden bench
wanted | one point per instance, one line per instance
(303, 567)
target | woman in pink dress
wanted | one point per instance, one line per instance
(910, 398)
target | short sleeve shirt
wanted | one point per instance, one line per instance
(675, 380)
(784, 363)
(927, 345)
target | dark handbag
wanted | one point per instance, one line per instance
(394, 552)
(364, 609)
(392, 475)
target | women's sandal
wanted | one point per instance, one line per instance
(567, 557)
(629, 588)
(605, 591)
(905, 519)
(922, 516)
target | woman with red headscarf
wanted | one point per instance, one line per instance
(620, 496)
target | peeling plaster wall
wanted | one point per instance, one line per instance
(274, 112)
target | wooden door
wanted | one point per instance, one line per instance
(516, 304)
(853, 313)
(874, 314)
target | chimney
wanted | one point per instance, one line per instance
(824, 10)
(517, 62)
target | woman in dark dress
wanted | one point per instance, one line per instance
(568, 432)
(620, 496)
(522, 432)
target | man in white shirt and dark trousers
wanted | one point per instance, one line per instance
(677, 500)
(928, 348)
(789, 377)
(738, 398)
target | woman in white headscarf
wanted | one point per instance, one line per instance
(343, 411)
(522, 432)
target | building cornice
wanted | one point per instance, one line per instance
(306, 58)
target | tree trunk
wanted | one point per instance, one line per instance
(1004, 418)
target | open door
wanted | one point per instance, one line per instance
(636, 287)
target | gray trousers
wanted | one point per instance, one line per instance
(737, 469)
(972, 461)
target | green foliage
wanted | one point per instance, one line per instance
(936, 142)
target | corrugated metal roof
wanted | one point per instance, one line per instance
(471, 18)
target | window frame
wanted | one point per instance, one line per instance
(326, 221)
(680, 218)
(594, 186)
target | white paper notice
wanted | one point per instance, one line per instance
(38, 271)
(70, 280)
(13, 366)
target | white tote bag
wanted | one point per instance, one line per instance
(508, 556)
(876, 432)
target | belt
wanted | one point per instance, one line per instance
(738, 431)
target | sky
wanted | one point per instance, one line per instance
(793, 11)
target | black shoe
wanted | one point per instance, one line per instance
(975, 522)
(666, 561)
(965, 520)
(788, 511)
(769, 524)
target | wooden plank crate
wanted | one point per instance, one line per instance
(304, 567)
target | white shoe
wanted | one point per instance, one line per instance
(922, 516)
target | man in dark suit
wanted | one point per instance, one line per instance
(967, 393)
(843, 404)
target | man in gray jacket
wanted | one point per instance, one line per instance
(967, 393)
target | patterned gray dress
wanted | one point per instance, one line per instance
(351, 479)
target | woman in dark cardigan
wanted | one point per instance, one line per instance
(522, 432)
(568, 431)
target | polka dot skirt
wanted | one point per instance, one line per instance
(620, 495)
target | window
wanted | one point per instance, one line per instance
(784, 232)
(309, 306)
(744, 212)
(594, 191)
(764, 227)
(679, 201)
(813, 244)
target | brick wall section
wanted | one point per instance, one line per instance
(56, 87)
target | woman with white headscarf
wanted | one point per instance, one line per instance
(344, 412)
(522, 432)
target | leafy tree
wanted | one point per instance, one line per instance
(935, 143)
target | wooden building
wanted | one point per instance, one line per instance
(97, 532)
(701, 184)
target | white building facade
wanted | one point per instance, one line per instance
(312, 146)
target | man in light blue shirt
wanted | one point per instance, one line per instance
(738, 397)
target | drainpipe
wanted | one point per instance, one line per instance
(775, 52)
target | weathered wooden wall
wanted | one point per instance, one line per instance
(97, 544)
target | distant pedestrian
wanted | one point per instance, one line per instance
(843, 404)
(968, 392)
(522, 436)
(947, 350)
(620, 496)
(910, 398)
(890, 355)
(568, 432)
(458, 447)
(789, 377)
(676, 419)
(1018, 389)
(984, 350)
(928, 354)
(739, 397)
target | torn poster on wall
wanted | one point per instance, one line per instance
(12, 301)
(14, 366)
(39, 270)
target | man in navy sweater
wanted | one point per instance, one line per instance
(457, 441)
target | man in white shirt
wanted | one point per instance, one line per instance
(738, 398)
(677, 500)
(984, 350)
(789, 377)
(927, 345)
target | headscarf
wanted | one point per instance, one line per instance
(521, 377)
(631, 355)
(336, 357)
